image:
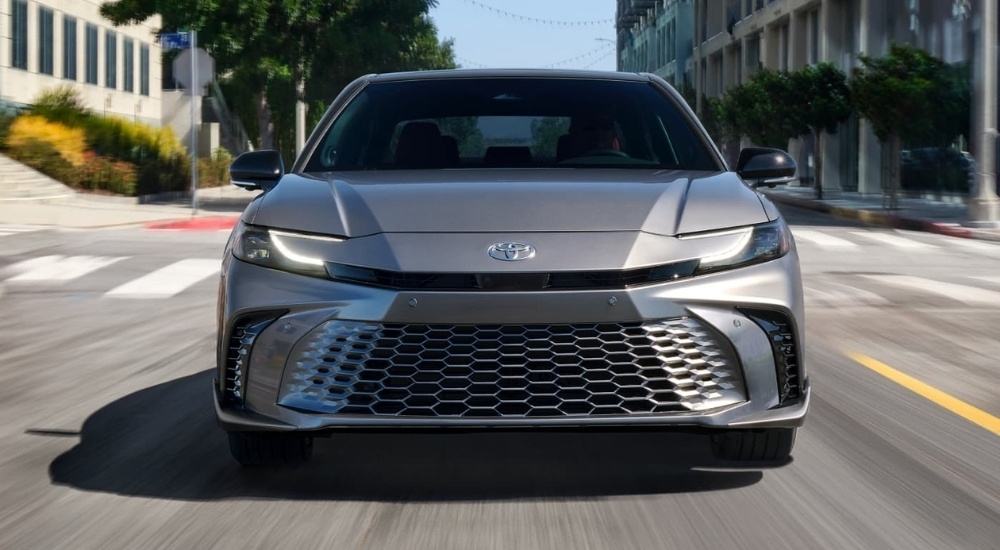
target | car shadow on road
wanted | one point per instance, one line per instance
(163, 442)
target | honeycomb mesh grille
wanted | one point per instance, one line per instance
(359, 368)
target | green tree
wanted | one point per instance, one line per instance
(545, 134)
(466, 131)
(909, 96)
(265, 48)
(767, 112)
(762, 109)
(823, 103)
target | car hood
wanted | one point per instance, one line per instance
(360, 204)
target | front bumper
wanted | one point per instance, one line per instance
(272, 375)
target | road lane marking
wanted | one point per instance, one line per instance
(968, 294)
(167, 281)
(975, 415)
(59, 268)
(893, 240)
(822, 239)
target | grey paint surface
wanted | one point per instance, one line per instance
(140, 463)
(357, 204)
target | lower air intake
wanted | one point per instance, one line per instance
(781, 334)
(667, 366)
(241, 339)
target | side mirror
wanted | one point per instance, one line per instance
(765, 166)
(257, 170)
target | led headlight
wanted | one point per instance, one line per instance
(756, 244)
(282, 250)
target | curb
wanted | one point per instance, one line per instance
(883, 219)
(216, 223)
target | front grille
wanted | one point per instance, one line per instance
(241, 339)
(499, 282)
(781, 334)
(674, 365)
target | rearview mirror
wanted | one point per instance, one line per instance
(765, 166)
(257, 170)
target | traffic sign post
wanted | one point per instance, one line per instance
(175, 41)
(195, 92)
(194, 69)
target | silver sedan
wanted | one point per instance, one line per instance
(488, 249)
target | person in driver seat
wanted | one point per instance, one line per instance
(594, 134)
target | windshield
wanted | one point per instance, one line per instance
(510, 123)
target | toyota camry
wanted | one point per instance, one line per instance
(521, 249)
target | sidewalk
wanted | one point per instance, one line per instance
(217, 207)
(945, 218)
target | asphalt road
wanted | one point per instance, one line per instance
(108, 437)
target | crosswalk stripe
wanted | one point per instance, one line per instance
(822, 239)
(836, 294)
(893, 240)
(167, 281)
(6, 230)
(995, 279)
(59, 268)
(974, 245)
(18, 228)
(967, 294)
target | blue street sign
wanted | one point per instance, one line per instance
(175, 41)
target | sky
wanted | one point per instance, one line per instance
(529, 33)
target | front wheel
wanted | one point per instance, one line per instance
(269, 449)
(770, 445)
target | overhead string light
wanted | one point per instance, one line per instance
(581, 57)
(598, 60)
(469, 63)
(549, 22)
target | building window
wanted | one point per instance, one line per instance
(46, 27)
(19, 34)
(144, 69)
(111, 57)
(91, 68)
(69, 47)
(128, 57)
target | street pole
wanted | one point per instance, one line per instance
(984, 208)
(194, 121)
(300, 112)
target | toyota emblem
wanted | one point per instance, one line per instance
(510, 252)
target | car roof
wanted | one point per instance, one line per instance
(447, 74)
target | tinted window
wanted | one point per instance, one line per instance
(510, 123)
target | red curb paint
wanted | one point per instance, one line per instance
(195, 224)
(950, 230)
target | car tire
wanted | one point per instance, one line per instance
(269, 449)
(770, 445)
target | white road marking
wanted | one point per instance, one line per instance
(59, 268)
(167, 281)
(893, 240)
(994, 279)
(973, 244)
(6, 230)
(838, 295)
(967, 294)
(822, 239)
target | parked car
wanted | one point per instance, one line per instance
(407, 271)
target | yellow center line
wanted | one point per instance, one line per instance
(977, 416)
